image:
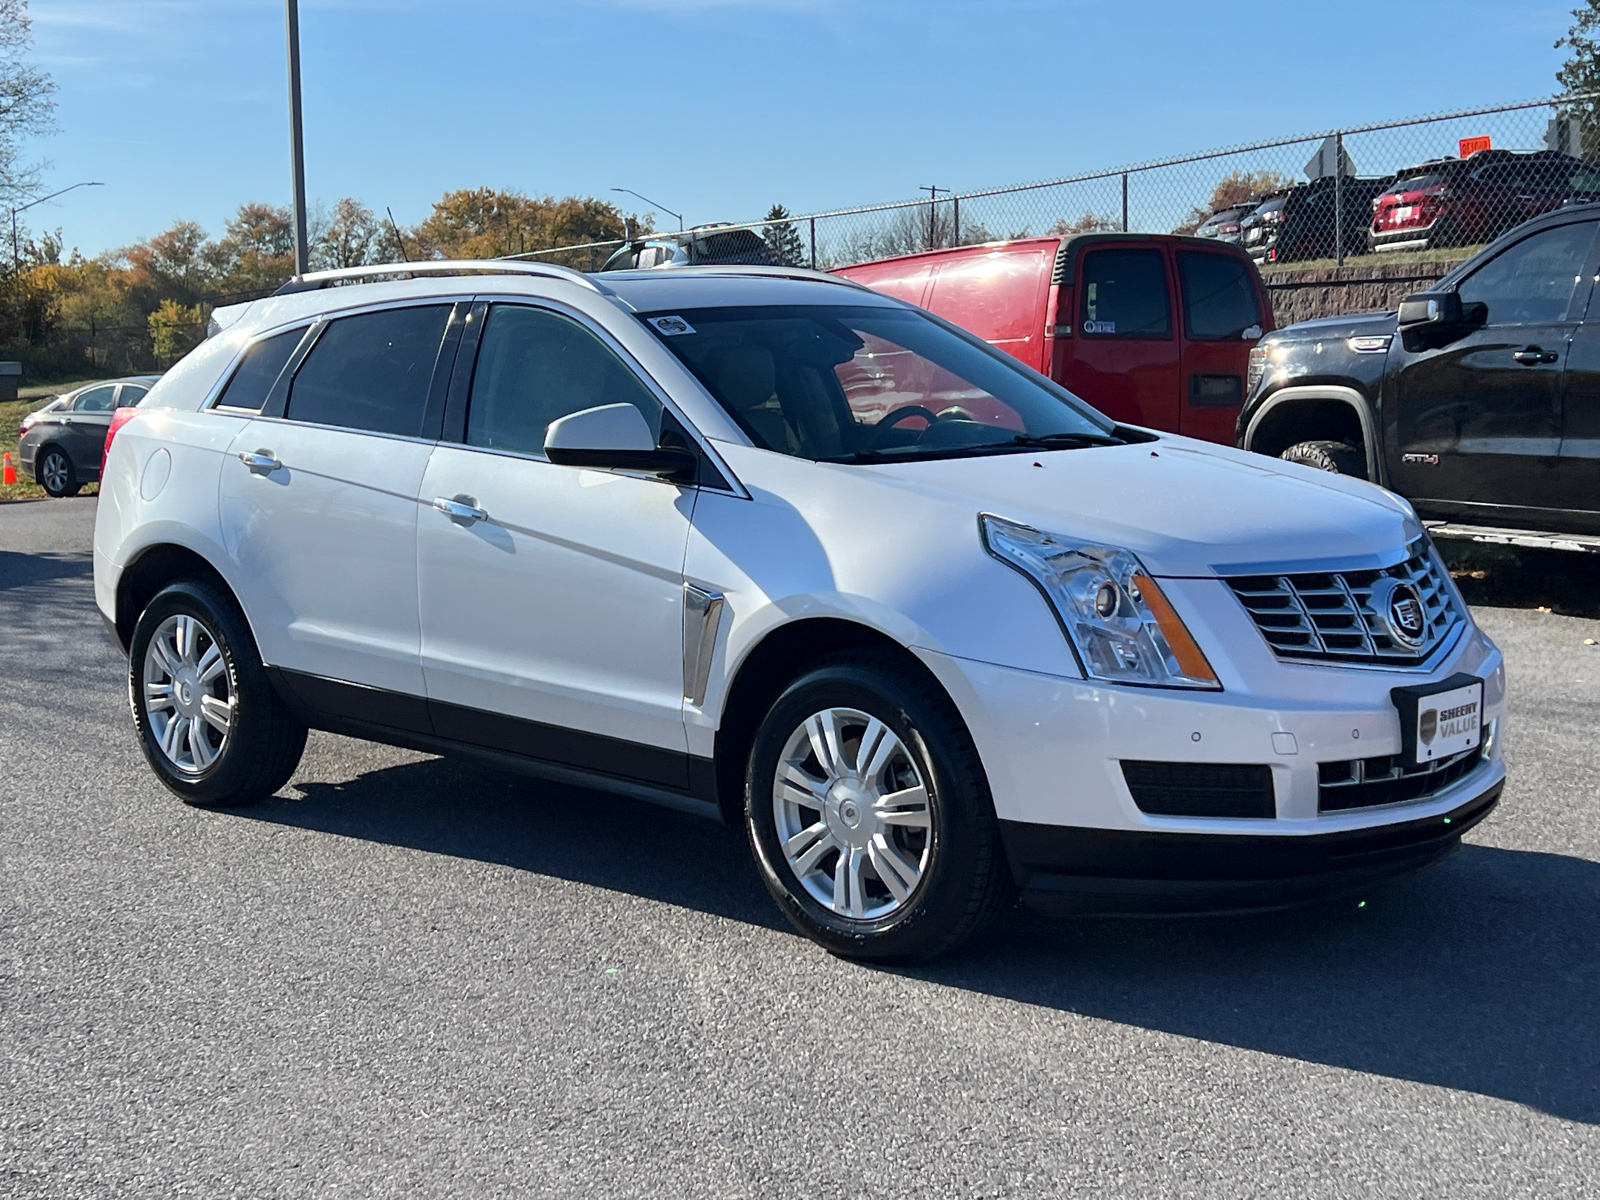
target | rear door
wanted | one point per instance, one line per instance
(1222, 320)
(1477, 422)
(319, 505)
(1124, 356)
(84, 427)
(1000, 295)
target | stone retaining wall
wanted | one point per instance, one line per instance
(1307, 293)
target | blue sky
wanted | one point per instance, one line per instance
(718, 108)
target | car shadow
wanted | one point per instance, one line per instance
(21, 570)
(1563, 581)
(1482, 976)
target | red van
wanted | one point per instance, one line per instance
(1096, 312)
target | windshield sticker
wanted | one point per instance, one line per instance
(1253, 332)
(672, 326)
(1099, 326)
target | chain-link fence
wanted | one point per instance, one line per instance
(1427, 188)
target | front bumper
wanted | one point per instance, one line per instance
(1126, 873)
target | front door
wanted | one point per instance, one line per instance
(1123, 357)
(551, 596)
(1476, 423)
(319, 506)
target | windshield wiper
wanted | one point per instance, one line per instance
(1064, 441)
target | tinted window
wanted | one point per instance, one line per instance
(837, 382)
(1532, 281)
(1218, 299)
(536, 366)
(100, 399)
(262, 365)
(1125, 294)
(131, 394)
(371, 372)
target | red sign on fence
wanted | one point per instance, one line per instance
(1473, 144)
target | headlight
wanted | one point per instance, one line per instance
(1257, 367)
(1112, 611)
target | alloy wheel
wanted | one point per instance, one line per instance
(187, 695)
(853, 814)
(53, 471)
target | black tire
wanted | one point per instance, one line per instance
(264, 741)
(1339, 457)
(965, 881)
(54, 472)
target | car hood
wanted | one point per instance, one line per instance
(1186, 508)
(1351, 325)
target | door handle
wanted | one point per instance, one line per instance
(260, 462)
(1532, 356)
(463, 510)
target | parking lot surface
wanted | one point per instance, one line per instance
(409, 976)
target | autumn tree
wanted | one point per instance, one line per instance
(783, 239)
(1090, 222)
(486, 223)
(352, 236)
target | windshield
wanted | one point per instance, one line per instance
(1415, 183)
(845, 384)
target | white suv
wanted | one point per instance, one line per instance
(763, 545)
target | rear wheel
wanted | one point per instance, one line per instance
(869, 814)
(209, 722)
(1339, 457)
(55, 473)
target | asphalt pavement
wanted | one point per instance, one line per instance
(410, 976)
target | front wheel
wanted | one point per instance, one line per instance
(209, 722)
(1339, 457)
(869, 814)
(56, 474)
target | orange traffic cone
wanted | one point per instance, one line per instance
(8, 473)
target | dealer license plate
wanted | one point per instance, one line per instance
(1436, 724)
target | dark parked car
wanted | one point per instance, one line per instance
(1225, 224)
(62, 444)
(703, 245)
(1298, 223)
(1461, 201)
(1479, 401)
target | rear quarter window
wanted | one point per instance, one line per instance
(263, 362)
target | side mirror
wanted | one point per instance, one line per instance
(1429, 319)
(616, 437)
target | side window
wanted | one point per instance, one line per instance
(1531, 282)
(534, 367)
(100, 399)
(1218, 300)
(131, 394)
(371, 372)
(263, 363)
(1125, 294)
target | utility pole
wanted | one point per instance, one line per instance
(653, 204)
(297, 153)
(16, 248)
(933, 205)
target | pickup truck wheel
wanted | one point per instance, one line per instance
(210, 724)
(869, 814)
(1339, 457)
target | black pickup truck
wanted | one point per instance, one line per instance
(1478, 401)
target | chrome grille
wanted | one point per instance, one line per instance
(1369, 782)
(1330, 616)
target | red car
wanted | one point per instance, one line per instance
(1152, 329)
(1465, 201)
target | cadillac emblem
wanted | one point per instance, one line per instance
(1400, 613)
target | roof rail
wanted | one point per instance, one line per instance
(313, 280)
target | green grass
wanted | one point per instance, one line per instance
(11, 414)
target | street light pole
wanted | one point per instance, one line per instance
(653, 204)
(302, 253)
(16, 251)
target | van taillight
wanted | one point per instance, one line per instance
(118, 419)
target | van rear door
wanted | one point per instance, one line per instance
(1221, 307)
(1123, 357)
